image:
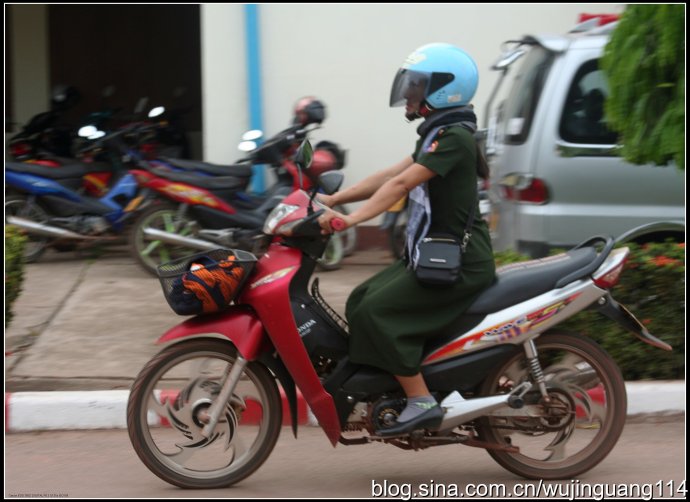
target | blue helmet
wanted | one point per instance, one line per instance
(446, 75)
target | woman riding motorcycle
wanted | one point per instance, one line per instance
(391, 314)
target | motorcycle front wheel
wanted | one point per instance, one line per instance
(152, 253)
(333, 255)
(167, 411)
(19, 206)
(580, 423)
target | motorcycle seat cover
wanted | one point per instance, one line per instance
(521, 281)
(207, 182)
(238, 170)
(76, 170)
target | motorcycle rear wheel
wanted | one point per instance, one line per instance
(165, 416)
(589, 409)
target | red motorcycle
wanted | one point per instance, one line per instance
(201, 212)
(206, 411)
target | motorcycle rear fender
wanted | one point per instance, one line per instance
(617, 312)
(36, 185)
(238, 324)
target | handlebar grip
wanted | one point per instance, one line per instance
(338, 224)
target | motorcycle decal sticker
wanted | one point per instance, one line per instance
(543, 315)
(267, 279)
(500, 333)
(185, 192)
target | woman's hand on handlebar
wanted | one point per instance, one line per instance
(326, 200)
(332, 221)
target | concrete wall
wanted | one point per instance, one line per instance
(347, 55)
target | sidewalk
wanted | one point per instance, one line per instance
(83, 328)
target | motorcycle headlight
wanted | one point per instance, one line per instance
(279, 213)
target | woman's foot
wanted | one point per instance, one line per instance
(420, 413)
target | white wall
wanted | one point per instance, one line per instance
(223, 81)
(347, 55)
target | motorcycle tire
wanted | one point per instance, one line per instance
(589, 404)
(165, 416)
(18, 205)
(333, 255)
(150, 254)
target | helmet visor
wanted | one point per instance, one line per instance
(409, 85)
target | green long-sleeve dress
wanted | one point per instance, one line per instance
(391, 315)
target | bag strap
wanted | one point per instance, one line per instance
(470, 221)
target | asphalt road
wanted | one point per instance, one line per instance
(648, 462)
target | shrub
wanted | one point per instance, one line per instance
(652, 286)
(14, 268)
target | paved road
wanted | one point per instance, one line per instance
(100, 464)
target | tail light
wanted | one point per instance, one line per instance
(20, 149)
(602, 18)
(609, 278)
(525, 188)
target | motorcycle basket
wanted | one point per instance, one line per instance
(206, 282)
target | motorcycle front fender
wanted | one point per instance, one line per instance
(238, 324)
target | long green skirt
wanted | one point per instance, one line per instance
(391, 314)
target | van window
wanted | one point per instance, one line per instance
(518, 112)
(583, 111)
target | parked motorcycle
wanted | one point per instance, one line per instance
(206, 411)
(44, 133)
(50, 205)
(200, 213)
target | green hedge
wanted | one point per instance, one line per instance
(14, 268)
(652, 286)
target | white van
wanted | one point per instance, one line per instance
(555, 177)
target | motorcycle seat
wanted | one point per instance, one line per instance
(206, 182)
(75, 170)
(237, 170)
(521, 281)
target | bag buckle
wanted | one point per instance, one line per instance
(465, 241)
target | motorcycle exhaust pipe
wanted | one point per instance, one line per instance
(460, 410)
(35, 228)
(154, 234)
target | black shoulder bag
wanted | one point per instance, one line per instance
(440, 256)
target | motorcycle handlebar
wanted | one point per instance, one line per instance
(338, 224)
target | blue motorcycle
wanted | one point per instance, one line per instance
(50, 204)
(42, 203)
